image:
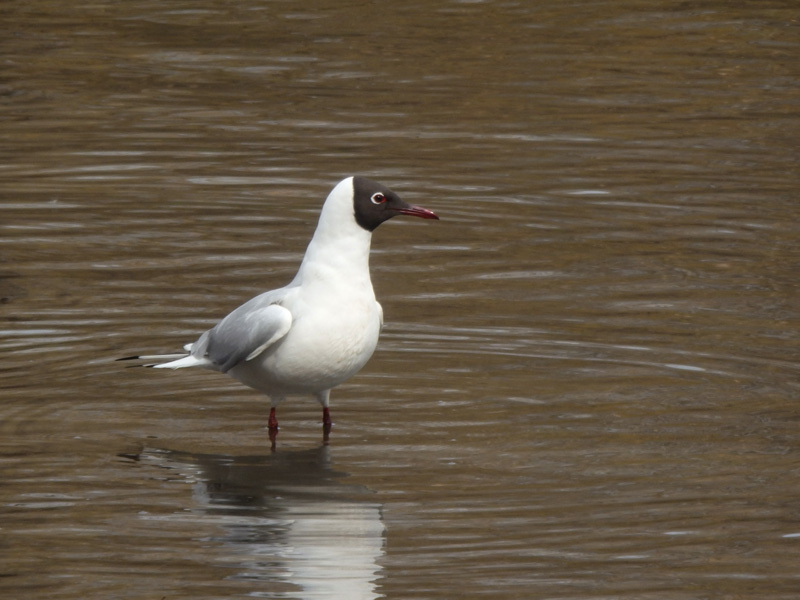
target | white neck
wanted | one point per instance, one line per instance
(339, 250)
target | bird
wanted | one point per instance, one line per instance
(318, 331)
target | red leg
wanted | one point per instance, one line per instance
(272, 426)
(326, 423)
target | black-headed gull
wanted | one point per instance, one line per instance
(318, 331)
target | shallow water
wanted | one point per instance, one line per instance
(587, 386)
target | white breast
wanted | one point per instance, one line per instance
(324, 347)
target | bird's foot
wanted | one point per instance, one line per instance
(273, 438)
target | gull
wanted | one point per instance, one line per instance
(318, 331)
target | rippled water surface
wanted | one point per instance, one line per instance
(587, 386)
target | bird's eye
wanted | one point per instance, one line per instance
(378, 198)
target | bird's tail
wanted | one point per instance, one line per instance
(176, 361)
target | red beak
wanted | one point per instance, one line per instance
(417, 211)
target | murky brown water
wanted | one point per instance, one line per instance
(588, 382)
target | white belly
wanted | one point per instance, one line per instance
(319, 352)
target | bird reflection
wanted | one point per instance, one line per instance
(288, 521)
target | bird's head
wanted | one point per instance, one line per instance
(374, 203)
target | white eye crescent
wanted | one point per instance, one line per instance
(378, 198)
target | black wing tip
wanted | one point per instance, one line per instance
(128, 358)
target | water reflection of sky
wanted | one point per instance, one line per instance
(286, 521)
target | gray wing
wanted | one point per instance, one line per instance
(246, 332)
